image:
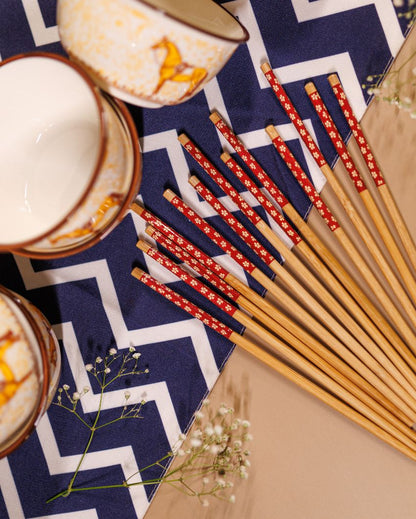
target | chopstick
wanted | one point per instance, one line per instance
(354, 289)
(312, 323)
(287, 330)
(373, 167)
(291, 282)
(263, 334)
(374, 213)
(386, 356)
(342, 237)
(384, 432)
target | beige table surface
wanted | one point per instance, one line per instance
(309, 462)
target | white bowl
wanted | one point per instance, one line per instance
(149, 52)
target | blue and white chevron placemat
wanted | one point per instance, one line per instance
(91, 299)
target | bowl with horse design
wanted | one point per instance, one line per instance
(149, 53)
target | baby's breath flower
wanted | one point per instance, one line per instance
(214, 449)
(218, 429)
(231, 499)
(136, 355)
(209, 430)
(98, 360)
(107, 370)
(132, 349)
(89, 367)
(195, 442)
(127, 395)
(66, 387)
(76, 396)
(222, 410)
(112, 351)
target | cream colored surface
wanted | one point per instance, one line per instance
(308, 462)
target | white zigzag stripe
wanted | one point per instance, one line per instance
(157, 392)
(123, 456)
(9, 491)
(306, 10)
(340, 63)
(124, 338)
(42, 35)
(256, 139)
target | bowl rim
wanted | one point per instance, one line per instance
(132, 192)
(244, 38)
(11, 247)
(39, 409)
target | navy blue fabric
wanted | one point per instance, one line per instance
(357, 32)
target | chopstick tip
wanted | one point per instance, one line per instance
(265, 67)
(169, 194)
(183, 138)
(143, 245)
(138, 209)
(225, 157)
(150, 230)
(271, 131)
(193, 180)
(333, 79)
(214, 117)
(310, 88)
(137, 273)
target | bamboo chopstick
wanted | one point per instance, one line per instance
(308, 320)
(313, 239)
(382, 351)
(377, 358)
(308, 362)
(189, 253)
(354, 289)
(383, 432)
(283, 327)
(374, 213)
(347, 244)
(373, 167)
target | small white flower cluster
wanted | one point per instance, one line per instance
(408, 9)
(74, 398)
(101, 369)
(395, 90)
(398, 87)
(214, 453)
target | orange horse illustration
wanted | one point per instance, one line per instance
(174, 68)
(9, 385)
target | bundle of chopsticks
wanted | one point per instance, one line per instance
(317, 326)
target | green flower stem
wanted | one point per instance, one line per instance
(93, 428)
(74, 413)
(156, 481)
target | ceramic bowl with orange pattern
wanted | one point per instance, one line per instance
(70, 156)
(149, 52)
(30, 366)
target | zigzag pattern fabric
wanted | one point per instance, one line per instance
(91, 299)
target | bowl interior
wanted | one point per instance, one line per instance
(50, 140)
(204, 15)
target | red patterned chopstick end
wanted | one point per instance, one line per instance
(186, 305)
